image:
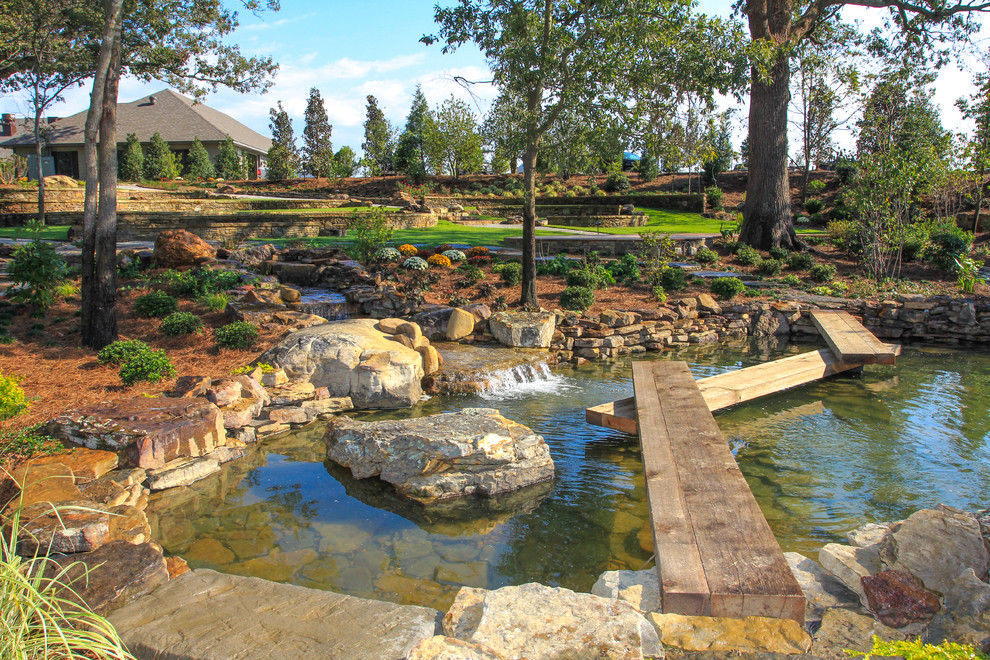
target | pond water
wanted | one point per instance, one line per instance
(821, 460)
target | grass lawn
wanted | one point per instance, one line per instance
(677, 222)
(49, 232)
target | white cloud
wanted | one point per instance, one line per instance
(268, 25)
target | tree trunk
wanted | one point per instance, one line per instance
(767, 218)
(513, 165)
(528, 295)
(41, 171)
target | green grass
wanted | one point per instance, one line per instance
(50, 232)
(675, 222)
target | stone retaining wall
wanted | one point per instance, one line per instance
(598, 220)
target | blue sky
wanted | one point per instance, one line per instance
(351, 49)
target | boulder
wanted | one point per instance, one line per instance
(867, 535)
(151, 431)
(752, 634)
(472, 452)
(181, 472)
(842, 629)
(523, 329)
(850, 565)
(82, 463)
(821, 590)
(352, 359)
(770, 323)
(460, 324)
(448, 648)
(535, 621)
(113, 575)
(77, 527)
(204, 614)
(177, 247)
(898, 598)
(707, 304)
(431, 359)
(433, 321)
(289, 295)
(936, 545)
(641, 589)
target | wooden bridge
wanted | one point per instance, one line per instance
(715, 552)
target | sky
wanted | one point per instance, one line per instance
(349, 50)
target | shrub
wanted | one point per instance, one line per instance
(814, 206)
(388, 255)
(199, 282)
(407, 250)
(454, 255)
(511, 273)
(581, 278)
(27, 442)
(180, 323)
(599, 193)
(372, 231)
(791, 280)
(617, 182)
(771, 267)
(559, 265)
(215, 302)
(415, 263)
(918, 650)
(713, 198)
(846, 169)
(948, 243)
(816, 187)
(479, 251)
(121, 351)
(577, 298)
(659, 294)
(672, 279)
(149, 366)
(155, 305)
(40, 270)
(439, 261)
(778, 252)
(479, 260)
(844, 234)
(727, 287)
(239, 334)
(822, 273)
(443, 247)
(625, 269)
(732, 246)
(12, 399)
(424, 254)
(748, 256)
(706, 255)
(800, 260)
(473, 274)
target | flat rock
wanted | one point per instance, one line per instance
(753, 634)
(842, 629)
(898, 598)
(867, 535)
(76, 527)
(113, 575)
(821, 590)
(352, 358)
(181, 472)
(84, 464)
(536, 621)
(204, 615)
(52, 482)
(151, 431)
(948, 626)
(850, 565)
(523, 329)
(936, 545)
(448, 648)
(241, 412)
(641, 589)
(473, 452)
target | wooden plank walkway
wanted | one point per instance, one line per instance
(737, 386)
(849, 340)
(716, 554)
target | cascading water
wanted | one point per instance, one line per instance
(520, 381)
(320, 302)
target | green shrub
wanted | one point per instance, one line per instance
(559, 265)
(371, 231)
(155, 305)
(239, 334)
(26, 442)
(121, 351)
(780, 253)
(844, 234)
(617, 182)
(577, 298)
(727, 287)
(947, 244)
(580, 278)
(39, 270)
(706, 255)
(511, 273)
(713, 198)
(199, 282)
(672, 279)
(215, 302)
(659, 294)
(846, 169)
(918, 650)
(180, 323)
(814, 206)
(625, 269)
(822, 273)
(732, 247)
(800, 260)
(388, 255)
(816, 187)
(771, 267)
(791, 280)
(149, 366)
(415, 263)
(748, 256)
(12, 399)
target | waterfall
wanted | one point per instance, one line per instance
(331, 306)
(520, 380)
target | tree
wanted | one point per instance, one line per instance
(411, 154)
(454, 141)
(283, 158)
(717, 145)
(131, 166)
(977, 109)
(229, 164)
(776, 27)
(344, 163)
(160, 163)
(199, 165)
(379, 140)
(503, 132)
(555, 54)
(317, 150)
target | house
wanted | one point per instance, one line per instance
(177, 118)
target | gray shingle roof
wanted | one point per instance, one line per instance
(176, 117)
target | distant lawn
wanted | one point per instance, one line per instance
(676, 222)
(322, 209)
(49, 232)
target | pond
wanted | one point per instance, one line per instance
(821, 459)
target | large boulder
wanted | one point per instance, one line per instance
(151, 431)
(535, 621)
(113, 575)
(352, 359)
(523, 329)
(472, 452)
(178, 247)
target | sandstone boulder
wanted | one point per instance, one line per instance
(821, 590)
(460, 324)
(523, 329)
(449, 648)
(81, 527)
(182, 472)
(178, 247)
(641, 589)
(752, 634)
(352, 359)
(472, 452)
(113, 575)
(535, 621)
(843, 630)
(850, 565)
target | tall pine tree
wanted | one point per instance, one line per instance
(131, 166)
(410, 154)
(283, 157)
(379, 140)
(199, 165)
(159, 162)
(317, 148)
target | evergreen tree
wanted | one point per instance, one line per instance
(131, 166)
(199, 165)
(159, 162)
(410, 155)
(283, 158)
(977, 109)
(344, 163)
(317, 148)
(379, 140)
(228, 161)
